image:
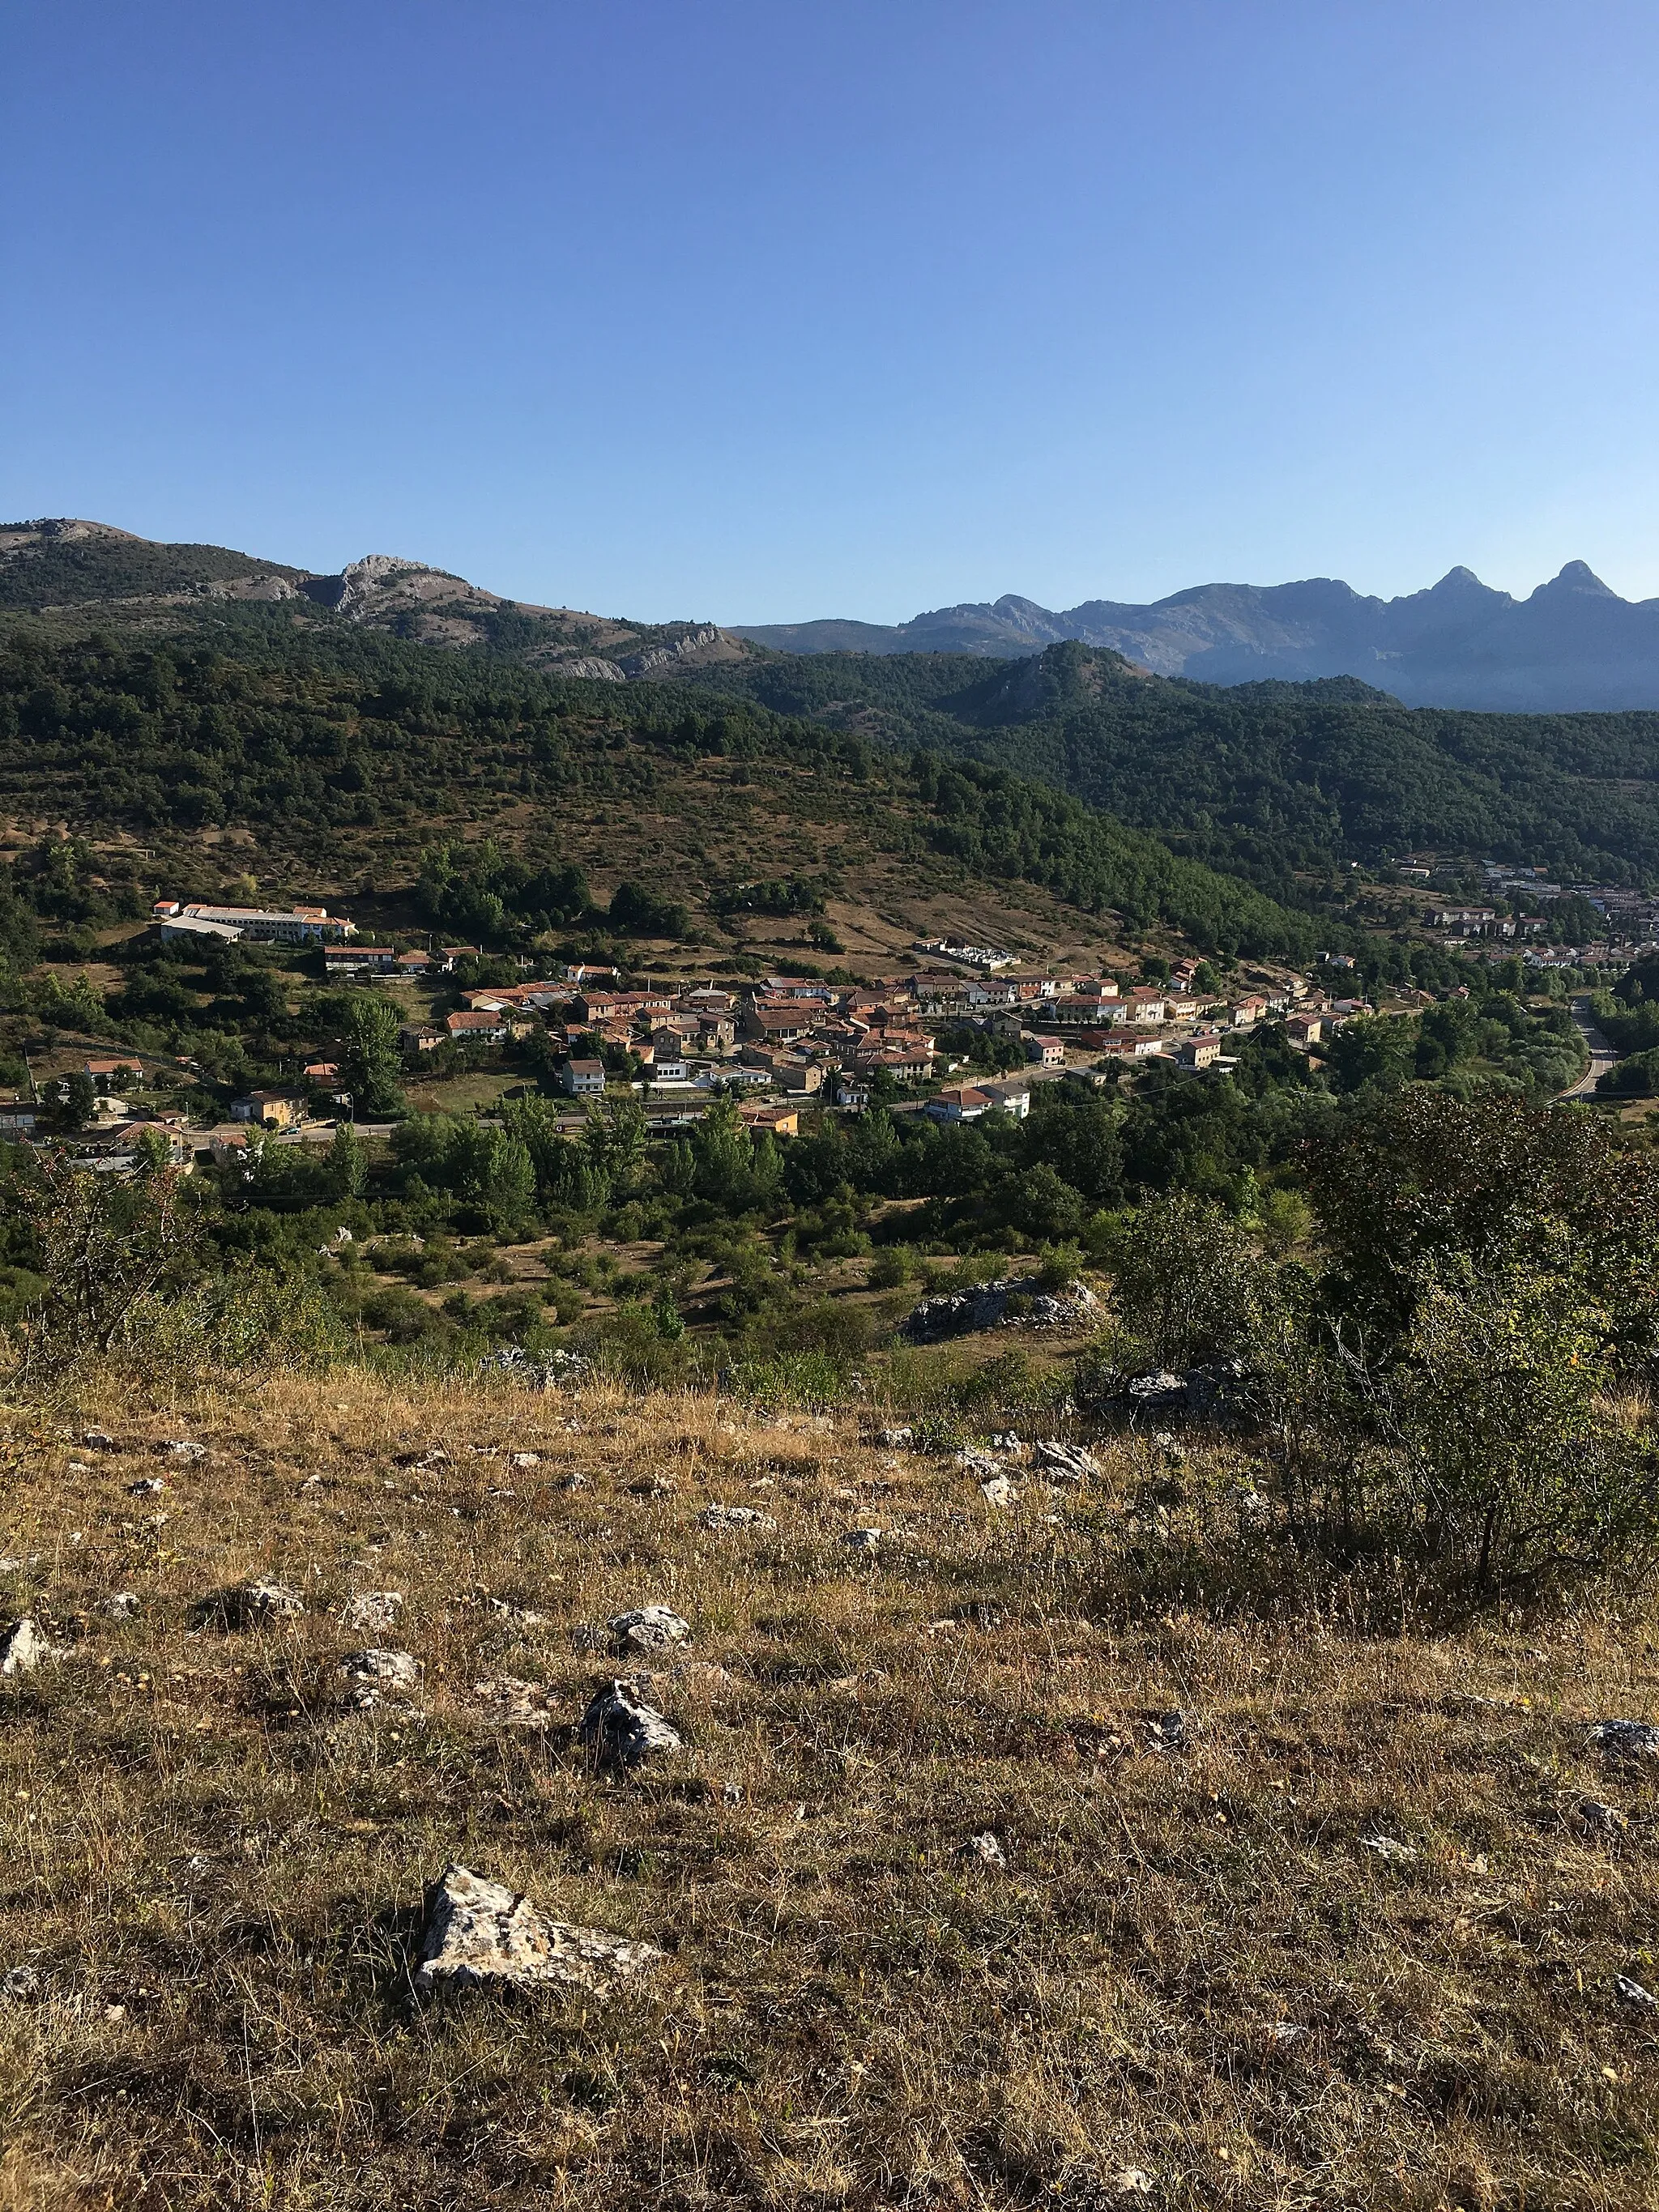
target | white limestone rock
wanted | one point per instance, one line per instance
(478, 1934)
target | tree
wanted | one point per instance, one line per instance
(345, 1164)
(507, 1184)
(368, 1057)
(108, 1251)
(80, 1100)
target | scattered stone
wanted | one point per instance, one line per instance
(19, 1984)
(376, 1675)
(1285, 2030)
(731, 1793)
(1065, 1462)
(98, 1440)
(734, 1517)
(1255, 1512)
(621, 1729)
(521, 1616)
(539, 1374)
(1174, 1731)
(1602, 1819)
(575, 1481)
(181, 1453)
(479, 1933)
(263, 1602)
(1133, 2181)
(23, 1648)
(654, 1486)
(525, 1459)
(999, 1491)
(1013, 1303)
(392, 1670)
(1390, 1848)
(1199, 1393)
(148, 1486)
(983, 1614)
(1006, 1440)
(371, 1611)
(650, 1628)
(985, 1850)
(895, 1439)
(1632, 1994)
(866, 1541)
(123, 1605)
(978, 1464)
(1622, 1739)
(514, 1704)
(1154, 1391)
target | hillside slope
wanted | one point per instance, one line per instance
(340, 755)
(1262, 775)
(1269, 1917)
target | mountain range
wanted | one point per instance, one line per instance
(1572, 645)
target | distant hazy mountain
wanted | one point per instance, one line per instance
(1574, 644)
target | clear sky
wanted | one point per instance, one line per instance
(766, 309)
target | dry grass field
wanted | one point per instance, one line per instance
(1194, 1983)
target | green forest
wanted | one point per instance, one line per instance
(1266, 778)
(333, 741)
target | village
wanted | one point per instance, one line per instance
(966, 1031)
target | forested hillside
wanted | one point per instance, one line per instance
(348, 751)
(1269, 778)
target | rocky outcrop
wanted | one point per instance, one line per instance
(657, 659)
(478, 1934)
(591, 668)
(1014, 1303)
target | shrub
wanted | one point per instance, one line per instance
(1512, 1469)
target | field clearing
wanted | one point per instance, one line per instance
(1195, 1982)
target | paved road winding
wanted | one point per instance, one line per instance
(1602, 1056)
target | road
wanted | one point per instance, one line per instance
(1602, 1056)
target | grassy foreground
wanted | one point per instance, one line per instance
(1193, 1985)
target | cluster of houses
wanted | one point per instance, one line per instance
(822, 1043)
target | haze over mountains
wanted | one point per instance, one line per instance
(1572, 645)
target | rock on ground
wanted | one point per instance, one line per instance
(649, 1628)
(259, 1602)
(734, 1517)
(984, 1850)
(986, 1305)
(622, 1731)
(1626, 1738)
(372, 1610)
(1067, 1462)
(23, 1648)
(478, 1933)
(182, 1453)
(382, 1670)
(998, 1491)
(512, 1703)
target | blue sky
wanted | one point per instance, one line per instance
(763, 311)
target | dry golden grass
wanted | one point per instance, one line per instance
(1190, 1973)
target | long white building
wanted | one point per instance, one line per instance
(256, 925)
